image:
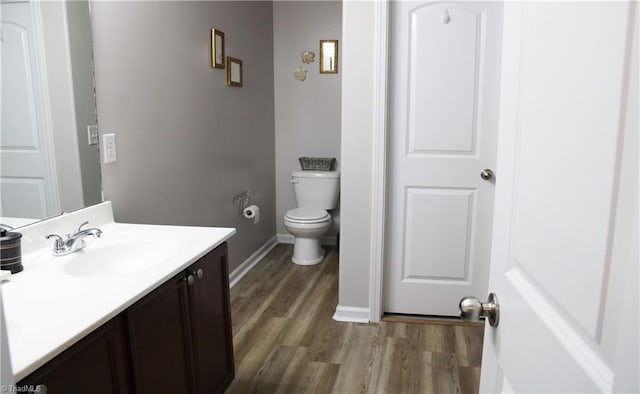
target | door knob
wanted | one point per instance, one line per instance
(472, 310)
(487, 174)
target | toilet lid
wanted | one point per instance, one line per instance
(308, 214)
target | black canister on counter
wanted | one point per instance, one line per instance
(10, 253)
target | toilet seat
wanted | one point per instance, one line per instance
(307, 225)
(307, 215)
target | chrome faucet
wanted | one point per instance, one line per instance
(73, 242)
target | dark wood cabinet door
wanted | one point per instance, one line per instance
(97, 364)
(211, 322)
(159, 340)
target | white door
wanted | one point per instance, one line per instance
(27, 185)
(444, 84)
(565, 245)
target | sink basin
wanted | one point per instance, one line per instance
(119, 256)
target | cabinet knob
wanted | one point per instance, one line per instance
(190, 280)
(200, 273)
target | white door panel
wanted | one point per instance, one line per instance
(443, 82)
(443, 121)
(565, 75)
(448, 232)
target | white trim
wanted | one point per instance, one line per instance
(251, 261)
(52, 194)
(351, 314)
(329, 240)
(378, 203)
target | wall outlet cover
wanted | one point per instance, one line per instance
(109, 148)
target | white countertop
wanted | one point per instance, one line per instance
(48, 310)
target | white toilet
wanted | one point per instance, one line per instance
(315, 192)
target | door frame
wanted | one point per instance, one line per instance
(379, 186)
(379, 165)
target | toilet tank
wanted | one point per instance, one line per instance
(317, 189)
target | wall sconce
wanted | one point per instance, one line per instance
(328, 56)
(217, 48)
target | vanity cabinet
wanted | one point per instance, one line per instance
(160, 340)
(99, 364)
(184, 329)
(211, 321)
(177, 339)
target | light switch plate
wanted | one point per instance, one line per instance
(109, 148)
(92, 134)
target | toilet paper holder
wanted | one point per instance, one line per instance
(245, 199)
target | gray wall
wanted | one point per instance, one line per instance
(307, 114)
(186, 143)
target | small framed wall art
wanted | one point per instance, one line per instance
(328, 56)
(217, 48)
(234, 71)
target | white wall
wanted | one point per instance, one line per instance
(307, 114)
(358, 62)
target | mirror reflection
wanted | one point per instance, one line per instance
(48, 128)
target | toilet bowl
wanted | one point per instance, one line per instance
(308, 226)
(316, 192)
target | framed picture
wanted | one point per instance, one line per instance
(217, 48)
(234, 71)
(328, 56)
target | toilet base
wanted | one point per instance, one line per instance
(307, 251)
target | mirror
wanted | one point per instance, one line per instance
(234, 71)
(328, 56)
(217, 49)
(48, 134)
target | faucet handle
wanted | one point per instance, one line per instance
(58, 243)
(80, 227)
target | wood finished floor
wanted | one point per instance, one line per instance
(285, 340)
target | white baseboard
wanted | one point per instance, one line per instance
(251, 261)
(329, 240)
(351, 314)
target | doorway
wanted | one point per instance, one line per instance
(443, 116)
